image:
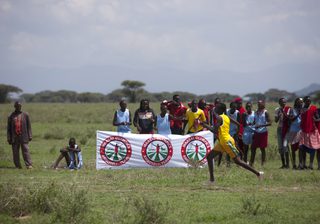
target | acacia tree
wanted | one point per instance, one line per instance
(131, 87)
(5, 90)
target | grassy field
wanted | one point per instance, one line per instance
(44, 195)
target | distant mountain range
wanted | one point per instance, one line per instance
(308, 90)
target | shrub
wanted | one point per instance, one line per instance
(66, 204)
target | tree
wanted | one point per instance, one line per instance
(131, 87)
(276, 94)
(5, 90)
(316, 96)
(254, 97)
(225, 97)
(89, 97)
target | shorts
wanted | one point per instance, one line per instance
(229, 147)
(260, 140)
(247, 137)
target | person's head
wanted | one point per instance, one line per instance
(249, 107)
(217, 101)
(306, 101)
(176, 98)
(72, 142)
(261, 104)
(220, 108)
(163, 108)
(233, 107)
(123, 105)
(202, 103)
(298, 102)
(194, 105)
(238, 102)
(17, 106)
(144, 104)
(282, 102)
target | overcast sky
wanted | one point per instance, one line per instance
(200, 46)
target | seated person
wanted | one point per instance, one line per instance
(72, 155)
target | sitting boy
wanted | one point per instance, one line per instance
(72, 155)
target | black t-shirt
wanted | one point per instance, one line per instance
(145, 120)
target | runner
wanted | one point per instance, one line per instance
(225, 143)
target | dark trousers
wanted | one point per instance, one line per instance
(25, 154)
(176, 131)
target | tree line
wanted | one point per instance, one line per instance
(133, 91)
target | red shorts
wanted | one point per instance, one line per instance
(260, 140)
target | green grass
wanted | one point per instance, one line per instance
(156, 195)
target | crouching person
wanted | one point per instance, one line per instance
(75, 155)
(72, 155)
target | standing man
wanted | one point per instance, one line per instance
(122, 118)
(240, 108)
(194, 118)
(281, 117)
(19, 134)
(207, 108)
(177, 113)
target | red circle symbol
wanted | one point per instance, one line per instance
(115, 150)
(195, 148)
(157, 151)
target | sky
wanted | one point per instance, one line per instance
(199, 46)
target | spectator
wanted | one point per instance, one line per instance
(122, 118)
(310, 139)
(207, 108)
(260, 137)
(281, 117)
(248, 129)
(240, 108)
(292, 136)
(194, 118)
(177, 113)
(163, 121)
(144, 118)
(19, 134)
(72, 155)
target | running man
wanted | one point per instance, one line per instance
(226, 142)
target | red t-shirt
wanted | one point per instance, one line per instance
(241, 112)
(207, 111)
(176, 111)
(307, 122)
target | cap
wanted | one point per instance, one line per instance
(237, 100)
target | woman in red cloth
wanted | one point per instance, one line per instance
(309, 137)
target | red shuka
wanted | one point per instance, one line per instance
(307, 122)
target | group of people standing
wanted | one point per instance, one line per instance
(298, 130)
(297, 126)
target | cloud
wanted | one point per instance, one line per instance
(282, 16)
(293, 50)
(185, 34)
(5, 6)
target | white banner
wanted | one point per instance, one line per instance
(123, 150)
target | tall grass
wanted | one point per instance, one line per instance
(65, 204)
